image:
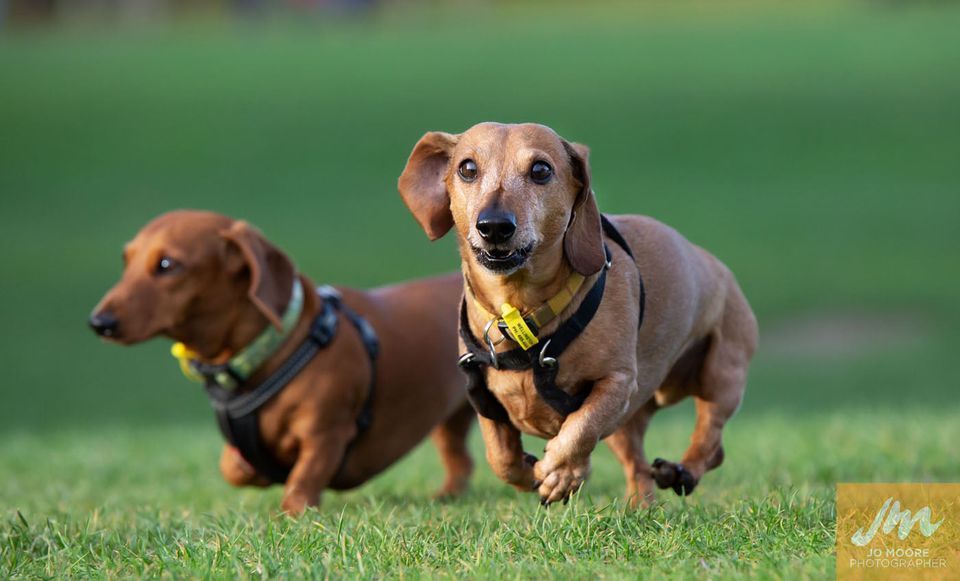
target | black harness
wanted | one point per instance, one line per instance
(237, 413)
(544, 364)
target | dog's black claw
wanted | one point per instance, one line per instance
(529, 458)
(536, 484)
(685, 483)
(566, 500)
(673, 476)
(544, 502)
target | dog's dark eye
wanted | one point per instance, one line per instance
(166, 265)
(467, 170)
(541, 172)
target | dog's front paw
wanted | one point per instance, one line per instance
(673, 476)
(521, 476)
(559, 481)
(294, 502)
(238, 471)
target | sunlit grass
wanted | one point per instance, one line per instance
(143, 502)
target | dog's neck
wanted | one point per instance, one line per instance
(526, 289)
(225, 336)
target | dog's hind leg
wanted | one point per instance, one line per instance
(450, 438)
(627, 444)
(717, 392)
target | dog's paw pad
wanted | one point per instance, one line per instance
(673, 476)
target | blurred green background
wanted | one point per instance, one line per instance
(815, 150)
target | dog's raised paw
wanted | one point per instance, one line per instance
(674, 476)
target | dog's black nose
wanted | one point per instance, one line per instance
(496, 226)
(103, 324)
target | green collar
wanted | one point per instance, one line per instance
(242, 365)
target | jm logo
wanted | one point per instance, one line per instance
(894, 517)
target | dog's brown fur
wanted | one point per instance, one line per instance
(230, 282)
(697, 337)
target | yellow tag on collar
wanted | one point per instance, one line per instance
(184, 355)
(518, 328)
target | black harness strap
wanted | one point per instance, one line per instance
(613, 234)
(543, 362)
(372, 345)
(237, 413)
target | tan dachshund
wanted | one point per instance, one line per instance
(659, 318)
(216, 284)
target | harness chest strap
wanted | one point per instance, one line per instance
(545, 366)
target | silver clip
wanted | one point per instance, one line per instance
(543, 359)
(328, 292)
(491, 346)
(607, 265)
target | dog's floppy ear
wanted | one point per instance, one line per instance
(583, 240)
(271, 272)
(422, 184)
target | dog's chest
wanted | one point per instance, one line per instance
(518, 394)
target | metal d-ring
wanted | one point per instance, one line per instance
(465, 359)
(491, 346)
(543, 359)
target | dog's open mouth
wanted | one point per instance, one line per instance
(502, 260)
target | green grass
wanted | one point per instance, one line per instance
(813, 150)
(769, 511)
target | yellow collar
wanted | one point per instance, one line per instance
(524, 329)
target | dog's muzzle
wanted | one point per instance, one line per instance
(502, 260)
